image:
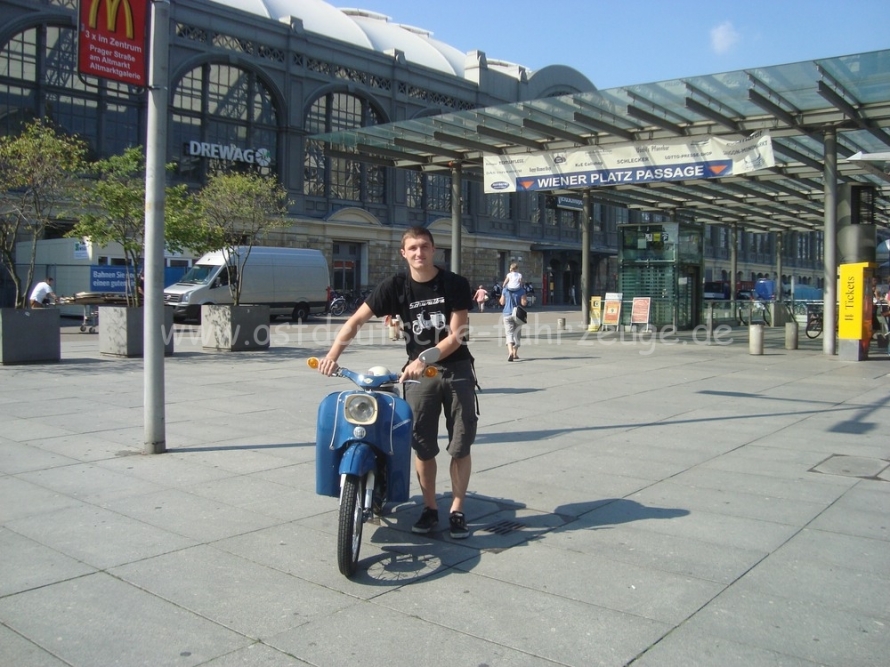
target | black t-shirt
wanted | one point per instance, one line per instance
(424, 308)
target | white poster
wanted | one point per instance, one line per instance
(81, 251)
(681, 159)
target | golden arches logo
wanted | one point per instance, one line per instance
(111, 10)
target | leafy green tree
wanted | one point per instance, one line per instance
(113, 211)
(241, 209)
(38, 174)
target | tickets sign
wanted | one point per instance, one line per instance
(112, 40)
(681, 159)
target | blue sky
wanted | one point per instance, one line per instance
(625, 42)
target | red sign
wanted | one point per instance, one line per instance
(113, 40)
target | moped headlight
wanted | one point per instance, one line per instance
(360, 409)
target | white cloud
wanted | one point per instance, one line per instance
(724, 37)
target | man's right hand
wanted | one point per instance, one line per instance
(327, 366)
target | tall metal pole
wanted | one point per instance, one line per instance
(155, 440)
(586, 223)
(456, 210)
(829, 256)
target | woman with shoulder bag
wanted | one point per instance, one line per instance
(514, 312)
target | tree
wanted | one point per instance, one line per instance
(241, 209)
(38, 172)
(114, 212)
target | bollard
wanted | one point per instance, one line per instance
(791, 329)
(561, 324)
(755, 339)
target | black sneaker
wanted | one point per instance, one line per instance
(459, 528)
(428, 520)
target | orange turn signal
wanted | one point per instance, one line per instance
(430, 371)
(312, 362)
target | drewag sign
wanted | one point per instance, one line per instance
(681, 159)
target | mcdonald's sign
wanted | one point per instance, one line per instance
(112, 40)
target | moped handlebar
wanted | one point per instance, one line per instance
(370, 381)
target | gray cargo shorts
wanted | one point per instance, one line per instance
(453, 390)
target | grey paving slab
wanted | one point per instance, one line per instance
(19, 457)
(256, 655)
(212, 584)
(19, 498)
(190, 515)
(17, 650)
(89, 482)
(645, 548)
(645, 592)
(689, 647)
(100, 620)
(799, 628)
(369, 629)
(542, 624)
(732, 503)
(97, 536)
(28, 564)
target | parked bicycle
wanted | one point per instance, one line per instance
(754, 311)
(337, 305)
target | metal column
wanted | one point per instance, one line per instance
(586, 221)
(155, 440)
(829, 258)
(456, 210)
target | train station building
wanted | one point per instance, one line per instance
(373, 126)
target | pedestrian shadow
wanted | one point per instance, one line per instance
(496, 525)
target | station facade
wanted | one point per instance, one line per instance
(251, 81)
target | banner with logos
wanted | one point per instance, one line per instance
(680, 159)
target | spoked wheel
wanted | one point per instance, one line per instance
(349, 535)
(814, 328)
(338, 307)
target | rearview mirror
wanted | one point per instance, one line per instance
(430, 356)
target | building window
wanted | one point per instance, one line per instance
(224, 118)
(438, 191)
(38, 78)
(534, 207)
(498, 205)
(339, 177)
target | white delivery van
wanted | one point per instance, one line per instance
(291, 281)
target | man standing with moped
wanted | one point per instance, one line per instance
(433, 303)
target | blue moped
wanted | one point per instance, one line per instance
(363, 451)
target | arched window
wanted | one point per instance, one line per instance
(224, 117)
(337, 177)
(38, 79)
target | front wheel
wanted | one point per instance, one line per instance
(349, 533)
(814, 328)
(338, 307)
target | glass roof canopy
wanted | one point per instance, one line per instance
(797, 103)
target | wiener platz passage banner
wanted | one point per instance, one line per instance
(680, 159)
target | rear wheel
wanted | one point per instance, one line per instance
(349, 533)
(301, 312)
(338, 307)
(814, 328)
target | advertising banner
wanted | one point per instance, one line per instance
(112, 40)
(639, 313)
(108, 279)
(612, 309)
(680, 159)
(596, 313)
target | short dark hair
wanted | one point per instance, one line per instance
(417, 233)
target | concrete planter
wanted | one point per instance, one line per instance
(122, 331)
(235, 328)
(30, 336)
